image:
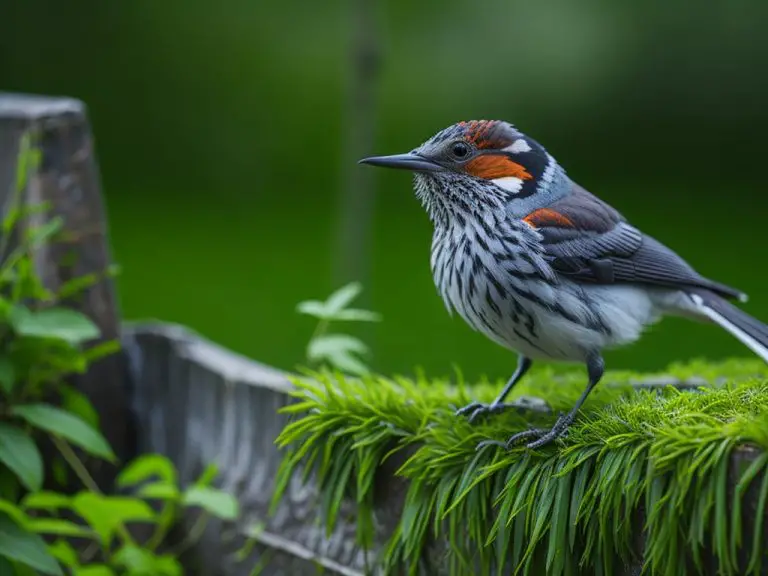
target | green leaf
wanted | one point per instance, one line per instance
(7, 374)
(356, 315)
(5, 309)
(94, 570)
(77, 403)
(28, 160)
(105, 514)
(25, 547)
(19, 452)
(216, 502)
(330, 344)
(312, 308)
(136, 560)
(64, 553)
(167, 565)
(77, 285)
(343, 296)
(101, 350)
(39, 235)
(18, 314)
(13, 512)
(29, 285)
(145, 468)
(20, 569)
(140, 561)
(58, 527)
(61, 323)
(9, 485)
(66, 425)
(45, 500)
(161, 491)
(338, 350)
(335, 305)
(348, 364)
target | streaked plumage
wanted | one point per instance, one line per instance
(543, 267)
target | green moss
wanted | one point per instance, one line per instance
(659, 457)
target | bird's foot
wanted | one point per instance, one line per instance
(540, 436)
(476, 410)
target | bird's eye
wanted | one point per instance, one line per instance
(460, 150)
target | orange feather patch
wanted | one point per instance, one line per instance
(547, 217)
(491, 167)
(483, 134)
(477, 130)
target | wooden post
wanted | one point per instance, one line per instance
(68, 179)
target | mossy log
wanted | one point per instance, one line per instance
(200, 403)
(68, 180)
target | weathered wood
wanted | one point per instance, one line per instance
(198, 403)
(69, 180)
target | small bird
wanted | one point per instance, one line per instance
(541, 266)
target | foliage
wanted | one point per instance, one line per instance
(661, 459)
(41, 342)
(340, 351)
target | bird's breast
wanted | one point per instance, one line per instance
(482, 277)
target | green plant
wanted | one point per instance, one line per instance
(658, 460)
(340, 351)
(41, 342)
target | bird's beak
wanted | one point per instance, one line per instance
(408, 161)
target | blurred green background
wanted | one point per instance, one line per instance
(221, 135)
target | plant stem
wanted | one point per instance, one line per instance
(321, 327)
(82, 473)
(161, 529)
(194, 534)
(76, 464)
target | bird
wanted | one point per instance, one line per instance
(543, 267)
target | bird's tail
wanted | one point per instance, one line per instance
(750, 331)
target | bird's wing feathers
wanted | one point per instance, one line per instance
(588, 241)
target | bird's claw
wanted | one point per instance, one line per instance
(468, 408)
(478, 409)
(542, 436)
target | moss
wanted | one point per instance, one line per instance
(662, 457)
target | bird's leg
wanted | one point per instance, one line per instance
(595, 369)
(477, 409)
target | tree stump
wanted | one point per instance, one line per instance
(69, 180)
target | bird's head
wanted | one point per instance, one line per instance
(478, 165)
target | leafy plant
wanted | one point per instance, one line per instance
(340, 351)
(644, 477)
(41, 342)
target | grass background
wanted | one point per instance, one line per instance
(219, 134)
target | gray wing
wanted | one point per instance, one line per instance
(588, 241)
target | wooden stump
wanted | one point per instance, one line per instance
(68, 179)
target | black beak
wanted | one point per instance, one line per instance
(408, 161)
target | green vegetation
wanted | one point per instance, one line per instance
(53, 532)
(574, 507)
(341, 351)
